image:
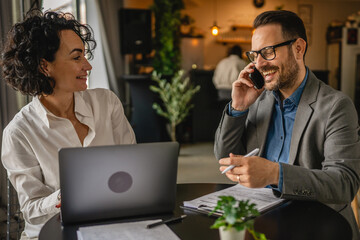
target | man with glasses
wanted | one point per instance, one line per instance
(306, 131)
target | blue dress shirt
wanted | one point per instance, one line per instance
(277, 146)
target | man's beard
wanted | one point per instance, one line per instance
(288, 75)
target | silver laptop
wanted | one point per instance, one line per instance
(106, 182)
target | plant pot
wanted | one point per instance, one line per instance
(185, 29)
(231, 234)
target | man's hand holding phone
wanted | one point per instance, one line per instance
(244, 92)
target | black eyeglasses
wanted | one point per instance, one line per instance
(268, 53)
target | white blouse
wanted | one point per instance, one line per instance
(32, 139)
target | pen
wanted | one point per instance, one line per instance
(252, 153)
(171, 220)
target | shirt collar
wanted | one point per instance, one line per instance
(45, 115)
(295, 97)
(80, 105)
(42, 110)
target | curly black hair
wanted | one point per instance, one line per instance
(34, 39)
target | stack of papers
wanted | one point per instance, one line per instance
(127, 231)
(262, 197)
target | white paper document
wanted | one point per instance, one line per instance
(262, 197)
(127, 231)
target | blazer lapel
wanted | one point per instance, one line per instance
(303, 114)
(263, 119)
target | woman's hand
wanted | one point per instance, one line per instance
(58, 205)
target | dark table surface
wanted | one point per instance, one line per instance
(292, 220)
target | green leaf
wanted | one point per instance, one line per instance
(176, 96)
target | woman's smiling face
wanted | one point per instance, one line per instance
(70, 67)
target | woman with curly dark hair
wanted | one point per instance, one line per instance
(45, 57)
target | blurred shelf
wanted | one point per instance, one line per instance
(240, 34)
(230, 40)
(236, 26)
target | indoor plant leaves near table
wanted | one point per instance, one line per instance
(237, 215)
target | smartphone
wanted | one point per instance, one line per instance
(257, 79)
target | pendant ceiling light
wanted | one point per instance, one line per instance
(215, 28)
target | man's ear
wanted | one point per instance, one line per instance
(44, 67)
(300, 46)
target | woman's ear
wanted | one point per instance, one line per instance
(44, 67)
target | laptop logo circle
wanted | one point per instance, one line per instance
(120, 182)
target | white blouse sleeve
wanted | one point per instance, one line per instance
(123, 132)
(37, 200)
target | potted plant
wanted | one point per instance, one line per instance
(186, 22)
(176, 95)
(237, 217)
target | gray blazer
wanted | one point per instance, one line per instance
(324, 159)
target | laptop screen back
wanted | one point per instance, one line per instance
(106, 182)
